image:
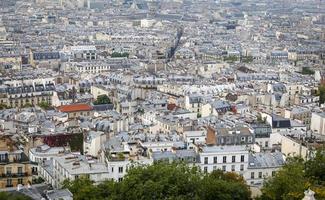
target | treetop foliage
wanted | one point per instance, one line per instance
(164, 181)
(102, 99)
(296, 177)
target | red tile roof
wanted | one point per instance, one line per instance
(75, 108)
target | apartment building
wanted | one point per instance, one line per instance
(262, 132)
(318, 123)
(231, 136)
(15, 166)
(299, 113)
(33, 94)
(44, 152)
(225, 158)
(262, 166)
(83, 52)
(73, 166)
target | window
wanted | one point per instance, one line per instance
(241, 167)
(3, 156)
(214, 167)
(206, 159)
(120, 179)
(233, 159)
(76, 177)
(266, 144)
(259, 174)
(20, 170)
(120, 170)
(112, 169)
(9, 182)
(215, 159)
(273, 173)
(205, 169)
(242, 158)
(233, 168)
(20, 181)
(224, 159)
(252, 175)
(224, 168)
(8, 169)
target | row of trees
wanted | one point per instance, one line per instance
(164, 181)
(45, 105)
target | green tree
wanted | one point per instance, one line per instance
(27, 105)
(13, 196)
(3, 106)
(321, 93)
(295, 177)
(221, 185)
(108, 190)
(288, 183)
(315, 167)
(119, 55)
(81, 188)
(315, 170)
(164, 181)
(307, 71)
(161, 181)
(45, 105)
(102, 99)
(230, 59)
(76, 142)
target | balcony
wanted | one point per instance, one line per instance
(6, 160)
(14, 175)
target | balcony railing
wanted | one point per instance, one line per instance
(13, 175)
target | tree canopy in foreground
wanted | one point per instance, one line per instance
(13, 196)
(296, 177)
(164, 181)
